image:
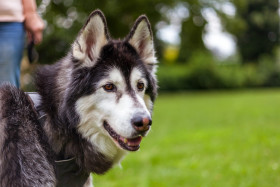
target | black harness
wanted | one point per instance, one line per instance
(67, 171)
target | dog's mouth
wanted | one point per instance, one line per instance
(130, 144)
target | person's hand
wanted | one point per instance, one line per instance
(34, 26)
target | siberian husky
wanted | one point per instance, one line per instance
(92, 107)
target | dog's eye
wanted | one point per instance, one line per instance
(109, 87)
(140, 86)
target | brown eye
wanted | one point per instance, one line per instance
(140, 86)
(109, 87)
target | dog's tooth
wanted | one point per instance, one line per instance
(125, 140)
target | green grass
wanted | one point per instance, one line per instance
(215, 139)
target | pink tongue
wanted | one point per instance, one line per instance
(133, 141)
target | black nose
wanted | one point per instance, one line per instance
(141, 123)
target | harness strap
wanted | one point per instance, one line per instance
(36, 99)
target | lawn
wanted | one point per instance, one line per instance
(215, 139)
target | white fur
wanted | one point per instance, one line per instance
(103, 106)
(89, 182)
(143, 99)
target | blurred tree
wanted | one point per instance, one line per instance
(255, 26)
(64, 19)
(193, 28)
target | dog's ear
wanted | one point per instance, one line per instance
(141, 38)
(92, 37)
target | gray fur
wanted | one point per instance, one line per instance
(25, 158)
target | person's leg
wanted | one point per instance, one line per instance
(12, 37)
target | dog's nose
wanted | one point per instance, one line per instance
(141, 123)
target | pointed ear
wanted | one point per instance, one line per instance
(92, 37)
(141, 38)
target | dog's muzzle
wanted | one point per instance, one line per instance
(140, 123)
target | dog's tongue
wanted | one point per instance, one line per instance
(132, 142)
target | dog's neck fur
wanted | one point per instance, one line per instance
(65, 141)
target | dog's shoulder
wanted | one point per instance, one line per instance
(24, 157)
(16, 107)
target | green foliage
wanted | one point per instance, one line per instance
(193, 28)
(202, 72)
(205, 72)
(219, 139)
(172, 77)
(255, 26)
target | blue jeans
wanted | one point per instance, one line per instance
(12, 37)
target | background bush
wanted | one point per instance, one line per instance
(203, 71)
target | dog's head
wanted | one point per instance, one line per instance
(113, 86)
